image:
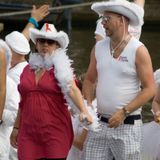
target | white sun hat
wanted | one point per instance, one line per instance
(132, 11)
(18, 42)
(48, 31)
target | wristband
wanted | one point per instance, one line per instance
(33, 21)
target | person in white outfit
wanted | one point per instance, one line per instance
(151, 130)
(119, 67)
(20, 47)
(10, 108)
(80, 133)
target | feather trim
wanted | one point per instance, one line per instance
(62, 70)
(64, 74)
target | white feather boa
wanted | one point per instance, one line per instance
(64, 74)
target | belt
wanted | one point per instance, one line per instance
(129, 120)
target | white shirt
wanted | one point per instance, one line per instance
(16, 71)
(118, 82)
(9, 116)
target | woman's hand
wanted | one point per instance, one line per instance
(13, 138)
(85, 117)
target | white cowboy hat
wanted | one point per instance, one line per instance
(48, 31)
(130, 10)
(18, 43)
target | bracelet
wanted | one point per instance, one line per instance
(15, 128)
(33, 21)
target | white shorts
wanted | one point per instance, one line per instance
(122, 143)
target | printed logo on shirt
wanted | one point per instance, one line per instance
(122, 59)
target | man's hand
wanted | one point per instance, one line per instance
(40, 13)
(116, 119)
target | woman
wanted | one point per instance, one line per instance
(43, 128)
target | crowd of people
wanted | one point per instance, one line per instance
(45, 115)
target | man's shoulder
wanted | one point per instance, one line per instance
(103, 41)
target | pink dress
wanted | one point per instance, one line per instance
(46, 128)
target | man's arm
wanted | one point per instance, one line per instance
(89, 83)
(2, 81)
(145, 74)
(37, 14)
(140, 2)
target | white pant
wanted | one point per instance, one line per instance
(122, 143)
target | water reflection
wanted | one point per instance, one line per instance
(81, 43)
(152, 41)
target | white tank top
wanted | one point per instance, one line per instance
(118, 82)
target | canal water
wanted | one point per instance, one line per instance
(82, 41)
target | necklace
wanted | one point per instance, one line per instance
(123, 41)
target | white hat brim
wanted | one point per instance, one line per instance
(60, 37)
(18, 42)
(130, 10)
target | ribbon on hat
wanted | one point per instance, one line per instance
(47, 27)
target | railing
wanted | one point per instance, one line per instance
(66, 8)
(51, 9)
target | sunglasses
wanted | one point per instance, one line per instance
(49, 41)
(105, 18)
(108, 18)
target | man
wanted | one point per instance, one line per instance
(120, 65)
